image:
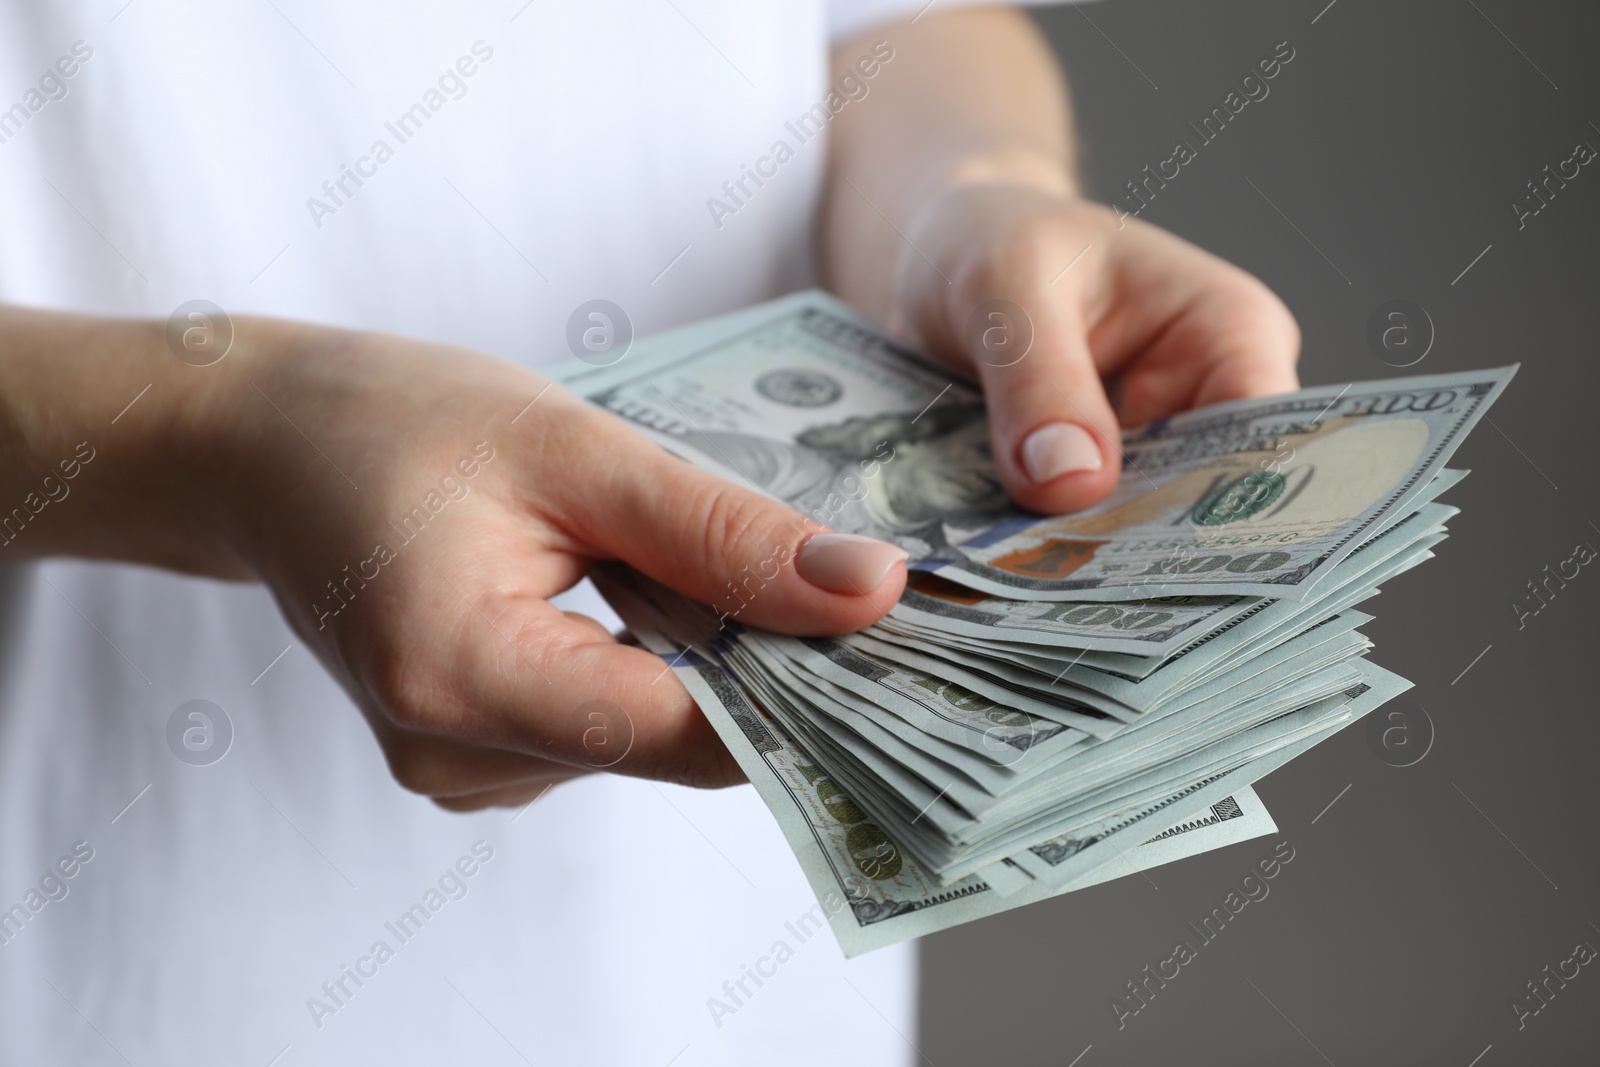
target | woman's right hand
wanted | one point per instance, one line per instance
(413, 508)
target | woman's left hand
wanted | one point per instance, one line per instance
(1077, 321)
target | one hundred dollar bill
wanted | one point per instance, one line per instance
(804, 400)
(1260, 497)
(871, 892)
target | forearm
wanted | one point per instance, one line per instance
(109, 443)
(970, 96)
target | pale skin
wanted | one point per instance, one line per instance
(466, 673)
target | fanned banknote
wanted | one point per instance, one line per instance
(1055, 701)
(805, 401)
(872, 894)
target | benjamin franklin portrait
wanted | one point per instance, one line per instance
(907, 478)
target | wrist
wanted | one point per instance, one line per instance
(1009, 165)
(214, 463)
(116, 448)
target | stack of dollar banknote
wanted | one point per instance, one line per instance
(1055, 701)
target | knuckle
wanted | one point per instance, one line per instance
(1009, 263)
(1260, 314)
(414, 769)
(406, 693)
(734, 524)
(1249, 325)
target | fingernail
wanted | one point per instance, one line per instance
(847, 563)
(1059, 448)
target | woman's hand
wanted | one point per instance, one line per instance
(1076, 321)
(413, 509)
(953, 215)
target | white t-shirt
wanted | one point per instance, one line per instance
(534, 156)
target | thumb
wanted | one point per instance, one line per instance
(745, 554)
(1056, 441)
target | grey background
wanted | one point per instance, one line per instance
(1407, 921)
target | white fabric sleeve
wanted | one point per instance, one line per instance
(848, 17)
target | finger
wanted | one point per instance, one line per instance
(1055, 437)
(442, 766)
(517, 796)
(718, 542)
(1225, 345)
(1188, 329)
(519, 675)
